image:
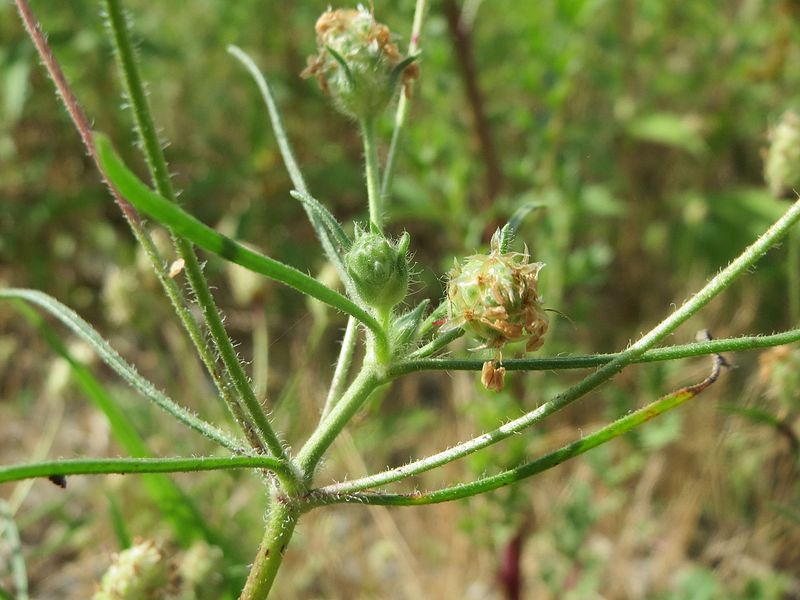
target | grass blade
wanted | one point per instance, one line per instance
(17, 560)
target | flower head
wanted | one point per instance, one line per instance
(357, 63)
(495, 298)
(138, 573)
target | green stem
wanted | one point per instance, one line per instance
(372, 169)
(723, 279)
(281, 521)
(159, 172)
(401, 114)
(556, 363)
(331, 495)
(99, 466)
(189, 323)
(142, 236)
(342, 367)
(360, 389)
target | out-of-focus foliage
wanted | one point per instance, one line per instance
(639, 125)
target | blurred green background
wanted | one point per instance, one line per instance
(639, 126)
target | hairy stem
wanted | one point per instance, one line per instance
(360, 389)
(741, 264)
(401, 114)
(157, 165)
(70, 102)
(534, 467)
(372, 169)
(433, 347)
(159, 172)
(342, 366)
(281, 521)
(557, 363)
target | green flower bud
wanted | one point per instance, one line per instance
(138, 573)
(782, 165)
(379, 269)
(494, 297)
(357, 63)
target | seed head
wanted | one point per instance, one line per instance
(138, 573)
(357, 63)
(493, 377)
(494, 297)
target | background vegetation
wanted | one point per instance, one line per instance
(638, 125)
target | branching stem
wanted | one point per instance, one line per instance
(360, 389)
(743, 262)
(486, 484)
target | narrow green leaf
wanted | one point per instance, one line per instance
(332, 226)
(110, 356)
(185, 225)
(325, 225)
(510, 229)
(342, 63)
(275, 117)
(174, 504)
(407, 325)
(104, 466)
(397, 71)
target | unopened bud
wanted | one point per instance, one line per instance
(379, 269)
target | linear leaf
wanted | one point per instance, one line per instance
(124, 369)
(319, 217)
(174, 504)
(101, 466)
(185, 225)
(332, 226)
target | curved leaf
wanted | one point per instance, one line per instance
(124, 369)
